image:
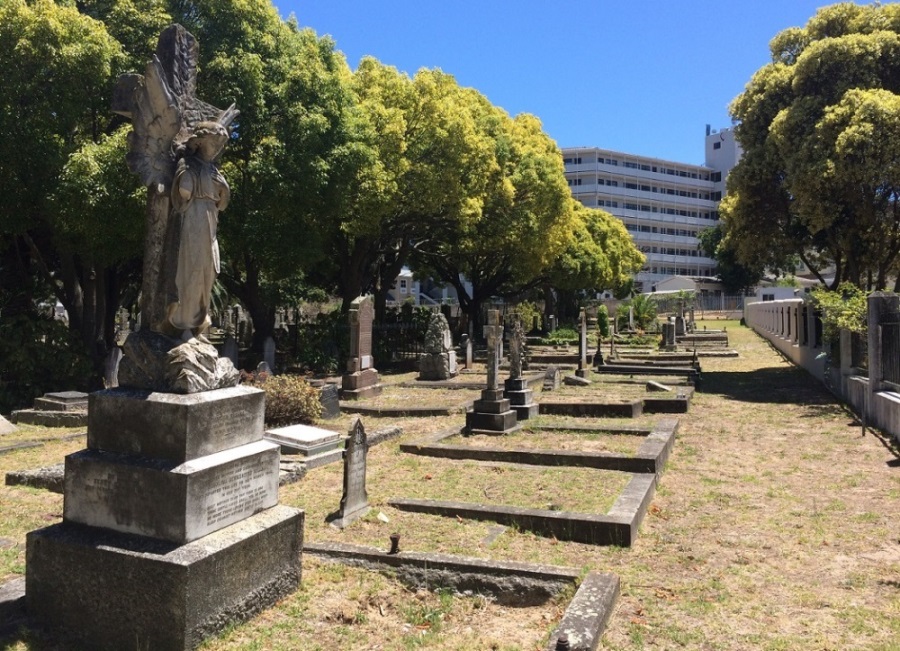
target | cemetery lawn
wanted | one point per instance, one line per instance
(775, 526)
(527, 439)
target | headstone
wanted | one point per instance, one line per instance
(679, 326)
(668, 335)
(263, 367)
(269, 352)
(516, 387)
(552, 378)
(467, 346)
(491, 414)
(111, 368)
(171, 526)
(329, 398)
(551, 323)
(230, 349)
(438, 362)
(355, 499)
(583, 370)
(361, 379)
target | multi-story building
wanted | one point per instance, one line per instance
(663, 204)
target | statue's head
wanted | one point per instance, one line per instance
(208, 139)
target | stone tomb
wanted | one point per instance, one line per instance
(361, 380)
(438, 362)
(60, 409)
(317, 446)
(355, 499)
(171, 525)
(521, 398)
(492, 414)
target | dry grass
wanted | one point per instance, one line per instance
(775, 526)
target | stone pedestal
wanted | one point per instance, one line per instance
(492, 415)
(171, 528)
(360, 385)
(438, 366)
(521, 398)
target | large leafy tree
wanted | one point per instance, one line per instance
(820, 178)
(600, 254)
(57, 66)
(735, 277)
(525, 218)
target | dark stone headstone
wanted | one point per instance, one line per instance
(355, 499)
(361, 379)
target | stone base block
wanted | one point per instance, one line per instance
(524, 412)
(501, 423)
(49, 418)
(359, 380)
(583, 372)
(437, 366)
(172, 426)
(361, 394)
(141, 496)
(110, 591)
(491, 406)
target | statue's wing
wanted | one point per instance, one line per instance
(156, 120)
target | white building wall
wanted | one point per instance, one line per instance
(663, 204)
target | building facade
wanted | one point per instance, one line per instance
(663, 204)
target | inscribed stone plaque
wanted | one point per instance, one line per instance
(355, 500)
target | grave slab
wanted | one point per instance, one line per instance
(305, 440)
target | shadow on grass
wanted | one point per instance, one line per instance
(34, 639)
(775, 385)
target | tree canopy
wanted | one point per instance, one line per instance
(819, 179)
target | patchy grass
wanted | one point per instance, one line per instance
(529, 439)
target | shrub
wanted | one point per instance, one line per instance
(289, 398)
(38, 355)
(603, 320)
(561, 336)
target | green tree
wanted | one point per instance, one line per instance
(57, 66)
(599, 255)
(526, 215)
(734, 276)
(819, 178)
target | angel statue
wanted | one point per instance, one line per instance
(173, 147)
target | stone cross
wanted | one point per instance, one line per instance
(355, 499)
(362, 314)
(493, 332)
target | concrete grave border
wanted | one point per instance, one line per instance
(619, 526)
(584, 621)
(651, 456)
(678, 404)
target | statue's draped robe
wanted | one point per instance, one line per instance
(198, 252)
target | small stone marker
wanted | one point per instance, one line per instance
(583, 371)
(361, 379)
(111, 368)
(230, 349)
(656, 386)
(269, 352)
(467, 345)
(355, 500)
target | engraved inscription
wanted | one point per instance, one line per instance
(240, 489)
(223, 416)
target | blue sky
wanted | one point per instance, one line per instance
(641, 77)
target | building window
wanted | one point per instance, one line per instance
(717, 145)
(403, 287)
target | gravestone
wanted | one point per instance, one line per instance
(317, 446)
(111, 368)
(551, 323)
(230, 349)
(491, 414)
(438, 362)
(171, 526)
(355, 499)
(361, 379)
(583, 371)
(668, 335)
(467, 347)
(680, 327)
(521, 398)
(6, 427)
(56, 409)
(269, 353)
